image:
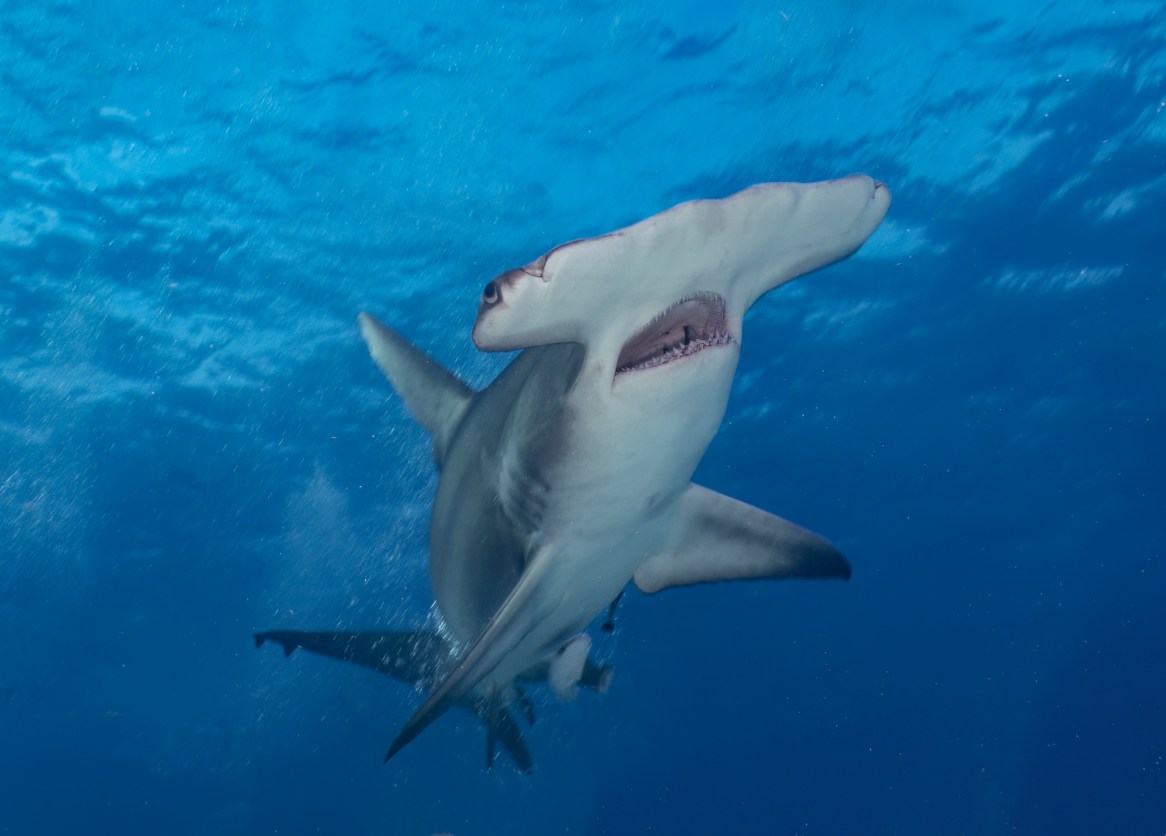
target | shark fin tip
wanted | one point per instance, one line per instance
(393, 749)
(397, 746)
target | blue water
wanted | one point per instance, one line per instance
(194, 205)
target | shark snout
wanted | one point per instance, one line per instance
(881, 195)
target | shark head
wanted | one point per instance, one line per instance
(680, 282)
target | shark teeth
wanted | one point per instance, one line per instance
(687, 327)
(667, 355)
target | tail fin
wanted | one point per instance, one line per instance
(421, 658)
(282, 638)
(417, 657)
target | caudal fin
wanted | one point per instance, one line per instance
(415, 656)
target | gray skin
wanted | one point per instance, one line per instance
(468, 518)
(568, 476)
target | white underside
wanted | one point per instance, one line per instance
(611, 506)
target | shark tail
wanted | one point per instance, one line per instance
(416, 657)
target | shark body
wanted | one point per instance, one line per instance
(569, 475)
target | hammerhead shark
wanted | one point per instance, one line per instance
(569, 475)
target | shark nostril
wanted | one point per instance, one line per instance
(490, 294)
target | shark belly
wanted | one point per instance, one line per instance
(626, 451)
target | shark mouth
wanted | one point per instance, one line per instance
(689, 326)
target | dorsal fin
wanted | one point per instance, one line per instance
(433, 395)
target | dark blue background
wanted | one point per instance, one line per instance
(194, 445)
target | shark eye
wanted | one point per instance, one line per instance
(491, 294)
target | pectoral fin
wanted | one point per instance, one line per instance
(522, 610)
(717, 538)
(433, 395)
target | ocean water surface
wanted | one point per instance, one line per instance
(197, 199)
